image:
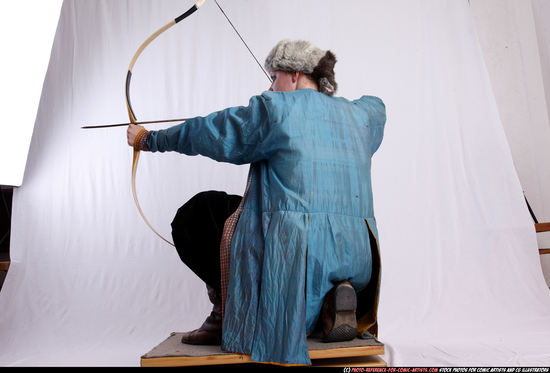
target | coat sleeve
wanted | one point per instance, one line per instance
(376, 111)
(235, 135)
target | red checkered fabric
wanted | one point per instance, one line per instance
(225, 245)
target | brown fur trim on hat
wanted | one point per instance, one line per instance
(324, 75)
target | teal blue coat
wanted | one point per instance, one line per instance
(308, 217)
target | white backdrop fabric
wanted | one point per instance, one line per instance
(90, 285)
(515, 38)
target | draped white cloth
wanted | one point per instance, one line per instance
(89, 285)
(515, 39)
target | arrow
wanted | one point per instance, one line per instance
(126, 124)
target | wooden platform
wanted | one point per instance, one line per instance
(173, 353)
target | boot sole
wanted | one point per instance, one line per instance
(201, 338)
(345, 321)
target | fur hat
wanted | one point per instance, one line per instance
(302, 56)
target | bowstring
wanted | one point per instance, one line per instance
(244, 42)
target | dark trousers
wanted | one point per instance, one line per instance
(197, 231)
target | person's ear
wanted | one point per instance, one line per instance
(295, 77)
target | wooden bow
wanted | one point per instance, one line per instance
(131, 113)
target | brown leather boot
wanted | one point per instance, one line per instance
(210, 333)
(338, 314)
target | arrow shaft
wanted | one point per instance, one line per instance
(138, 123)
